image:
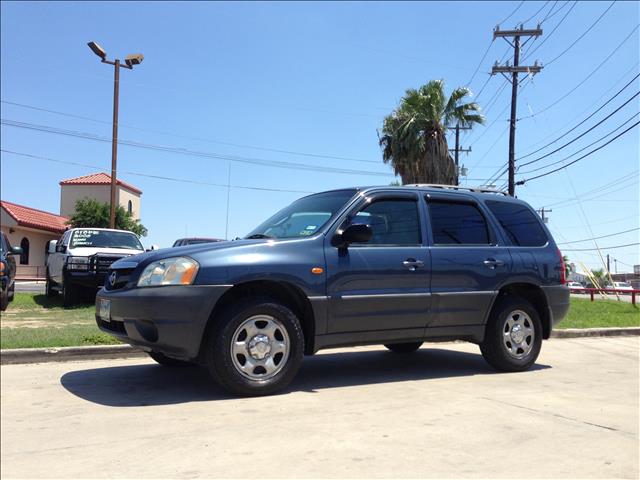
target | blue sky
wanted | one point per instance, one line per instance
(241, 80)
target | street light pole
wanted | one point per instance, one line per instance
(129, 62)
(114, 143)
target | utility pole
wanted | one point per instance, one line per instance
(615, 265)
(608, 264)
(542, 212)
(457, 150)
(514, 71)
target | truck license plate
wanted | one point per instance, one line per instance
(105, 310)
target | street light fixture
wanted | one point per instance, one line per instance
(130, 61)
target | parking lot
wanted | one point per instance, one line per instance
(360, 412)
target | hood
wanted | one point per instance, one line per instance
(188, 251)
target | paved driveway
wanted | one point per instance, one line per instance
(440, 412)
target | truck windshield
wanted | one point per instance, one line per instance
(104, 239)
(303, 217)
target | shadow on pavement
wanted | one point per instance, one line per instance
(141, 385)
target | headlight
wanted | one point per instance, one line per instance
(77, 263)
(170, 271)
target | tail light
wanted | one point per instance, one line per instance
(2, 268)
(563, 269)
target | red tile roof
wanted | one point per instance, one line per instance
(99, 179)
(30, 217)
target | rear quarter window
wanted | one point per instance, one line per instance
(519, 223)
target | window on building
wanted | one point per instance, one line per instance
(457, 223)
(519, 223)
(130, 207)
(24, 256)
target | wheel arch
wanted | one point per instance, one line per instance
(534, 295)
(283, 292)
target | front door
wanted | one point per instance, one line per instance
(382, 284)
(468, 263)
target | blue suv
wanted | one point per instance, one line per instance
(383, 265)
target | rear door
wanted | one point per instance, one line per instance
(382, 284)
(468, 263)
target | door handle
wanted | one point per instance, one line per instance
(493, 263)
(413, 264)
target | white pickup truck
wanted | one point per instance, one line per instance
(80, 260)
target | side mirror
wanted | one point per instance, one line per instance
(15, 251)
(152, 248)
(51, 248)
(357, 233)
(61, 248)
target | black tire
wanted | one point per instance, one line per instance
(50, 292)
(4, 301)
(403, 347)
(165, 361)
(497, 344)
(222, 362)
(69, 294)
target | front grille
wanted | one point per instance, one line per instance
(114, 326)
(121, 279)
(101, 263)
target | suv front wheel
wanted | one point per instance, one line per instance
(513, 336)
(256, 347)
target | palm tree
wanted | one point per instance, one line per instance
(413, 136)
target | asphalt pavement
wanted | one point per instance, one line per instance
(351, 413)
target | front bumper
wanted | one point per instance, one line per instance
(85, 279)
(168, 319)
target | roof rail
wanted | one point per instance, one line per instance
(456, 187)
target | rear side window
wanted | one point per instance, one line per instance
(519, 223)
(457, 223)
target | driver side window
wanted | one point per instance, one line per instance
(393, 221)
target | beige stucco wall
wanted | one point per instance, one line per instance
(70, 194)
(37, 243)
(123, 196)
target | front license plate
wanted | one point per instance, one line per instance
(105, 310)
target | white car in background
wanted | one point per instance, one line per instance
(575, 287)
(623, 287)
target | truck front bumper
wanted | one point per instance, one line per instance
(167, 319)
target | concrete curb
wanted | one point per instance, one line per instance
(63, 354)
(595, 332)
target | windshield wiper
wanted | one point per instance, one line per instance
(258, 235)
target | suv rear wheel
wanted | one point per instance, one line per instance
(256, 348)
(513, 336)
(403, 347)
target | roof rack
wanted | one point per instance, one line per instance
(456, 187)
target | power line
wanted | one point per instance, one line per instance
(480, 64)
(532, 51)
(535, 14)
(602, 188)
(581, 36)
(603, 236)
(184, 151)
(585, 79)
(200, 139)
(522, 182)
(601, 248)
(583, 121)
(157, 177)
(582, 149)
(582, 134)
(512, 13)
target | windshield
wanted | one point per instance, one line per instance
(105, 239)
(303, 217)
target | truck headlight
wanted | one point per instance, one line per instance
(169, 271)
(78, 263)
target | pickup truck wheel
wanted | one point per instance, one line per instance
(50, 292)
(256, 348)
(403, 347)
(163, 360)
(4, 301)
(69, 295)
(513, 336)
